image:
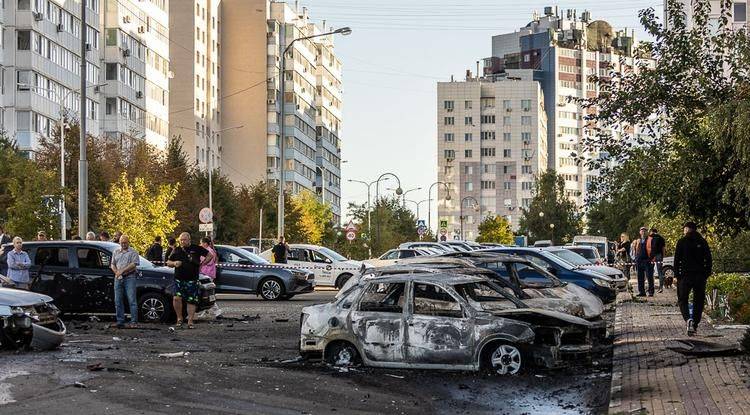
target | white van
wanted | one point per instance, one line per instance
(330, 267)
(599, 242)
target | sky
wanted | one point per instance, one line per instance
(392, 61)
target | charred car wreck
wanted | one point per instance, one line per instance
(29, 320)
(443, 320)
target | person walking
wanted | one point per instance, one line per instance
(124, 262)
(208, 268)
(155, 251)
(41, 236)
(186, 261)
(4, 237)
(90, 236)
(280, 251)
(18, 265)
(171, 244)
(641, 253)
(623, 253)
(657, 252)
(692, 266)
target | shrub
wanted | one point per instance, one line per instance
(736, 289)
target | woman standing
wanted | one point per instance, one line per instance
(623, 254)
(208, 268)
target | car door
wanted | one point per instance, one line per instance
(377, 321)
(324, 268)
(231, 276)
(437, 329)
(300, 258)
(52, 275)
(94, 279)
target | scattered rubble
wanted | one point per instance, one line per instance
(700, 348)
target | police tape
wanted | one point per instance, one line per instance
(278, 266)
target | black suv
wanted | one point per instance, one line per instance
(77, 275)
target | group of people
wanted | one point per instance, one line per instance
(693, 265)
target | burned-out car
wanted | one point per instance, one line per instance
(441, 321)
(29, 319)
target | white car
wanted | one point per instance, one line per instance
(330, 267)
(394, 256)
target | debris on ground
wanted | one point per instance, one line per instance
(732, 327)
(394, 376)
(94, 319)
(116, 339)
(281, 320)
(80, 385)
(295, 360)
(700, 348)
(176, 354)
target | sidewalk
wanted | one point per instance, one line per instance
(648, 378)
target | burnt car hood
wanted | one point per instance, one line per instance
(568, 299)
(18, 298)
(537, 316)
(605, 270)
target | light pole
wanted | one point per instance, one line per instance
(461, 212)
(429, 198)
(369, 227)
(552, 229)
(417, 204)
(399, 192)
(83, 163)
(345, 31)
(403, 195)
(61, 128)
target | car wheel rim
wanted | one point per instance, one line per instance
(669, 273)
(344, 357)
(506, 360)
(271, 289)
(152, 308)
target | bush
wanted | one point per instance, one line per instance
(735, 288)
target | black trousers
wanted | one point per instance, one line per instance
(696, 284)
(645, 271)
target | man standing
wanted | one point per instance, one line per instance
(41, 236)
(156, 251)
(692, 266)
(90, 236)
(623, 253)
(104, 236)
(124, 262)
(280, 251)
(186, 261)
(18, 265)
(641, 253)
(171, 244)
(657, 254)
(4, 237)
(116, 238)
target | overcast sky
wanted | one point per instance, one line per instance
(397, 53)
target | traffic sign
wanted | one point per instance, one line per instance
(350, 235)
(206, 227)
(421, 230)
(443, 223)
(443, 231)
(206, 215)
(421, 223)
(350, 227)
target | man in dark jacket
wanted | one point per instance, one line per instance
(692, 266)
(657, 254)
(156, 251)
(280, 251)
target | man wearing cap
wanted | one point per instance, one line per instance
(642, 255)
(692, 267)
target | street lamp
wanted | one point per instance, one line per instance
(429, 204)
(461, 212)
(61, 127)
(369, 227)
(403, 195)
(345, 31)
(417, 204)
(552, 229)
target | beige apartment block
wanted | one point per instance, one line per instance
(738, 10)
(492, 142)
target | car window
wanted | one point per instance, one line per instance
(332, 254)
(392, 254)
(383, 297)
(484, 296)
(536, 261)
(531, 277)
(92, 258)
(228, 257)
(407, 253)
(318, 257)
(431, 300)
(298, 254)
(571, 257)
(51, 256)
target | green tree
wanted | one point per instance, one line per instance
(139, 210)
(312, 218)
(495, 229)
(557, 210)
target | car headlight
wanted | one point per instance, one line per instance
(600, 282)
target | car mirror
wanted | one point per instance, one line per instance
(346, 306)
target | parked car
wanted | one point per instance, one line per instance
(600, 243)
(577, 260)
(598, 284)
(589, 252)
(668, 267)
(458, 245)
(330, 267)
(251, 249)
(542, 243)
(241, 272)
(393, 256)
(432, 245)
(29, 319)
(441, 321)
(77, 276)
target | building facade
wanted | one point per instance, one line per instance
(312, 102)
(492, 142)
(738, 9)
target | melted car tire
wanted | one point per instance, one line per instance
(154, 308)
(503, 359)
(267, 287)
(342, 354)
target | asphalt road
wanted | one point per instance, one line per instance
(247, 365)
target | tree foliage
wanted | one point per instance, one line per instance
(558, 210)
(313, 217)
(495, 229)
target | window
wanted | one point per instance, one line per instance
(467, 137)
(740, 12)
(110, 71)
(488, 184)
(525, 120)
(468, 121)
(450, 154)
(383, 298)
(506, 136)
(507, 185)
(467, 105)
(527, 185)
(525, 169)
(569, 130)
(24, 40)
(467, 154)
(488, 135)
(506, 169)
(506, 120)
(468, 169)
(468, 186)
(507, 104)
(490, 169)
(506, 153)
(448, 105)
(51, 257)
(407, 253)
(488, 152)
(448, 137)
(431, 300)
(92, 258)
(526, 104)
(526, 137)
(448, 121)
(488, 119)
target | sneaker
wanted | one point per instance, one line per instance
(690, 327)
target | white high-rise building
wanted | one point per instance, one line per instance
(738, 9)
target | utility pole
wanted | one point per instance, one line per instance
(83, 164)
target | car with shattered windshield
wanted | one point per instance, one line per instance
(29, 320)
(442, 321)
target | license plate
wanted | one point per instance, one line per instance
(211, 298)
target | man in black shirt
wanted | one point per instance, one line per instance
(692, 266)
(186, 261)
(280, 251)
(155, 252)
(657, 252)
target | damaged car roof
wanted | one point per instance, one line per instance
(434, 277)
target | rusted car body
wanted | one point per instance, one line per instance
(441, 321)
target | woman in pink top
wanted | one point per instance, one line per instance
(208, 262)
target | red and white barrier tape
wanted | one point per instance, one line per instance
(277, 266)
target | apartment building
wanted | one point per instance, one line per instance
(564, 49)
(252, 98)
(127, 65)
(492, 142)
(738, 9)
(195, 106)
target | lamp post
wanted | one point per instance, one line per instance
(369, 227)
(403, 195)
(399, 192)
(552, 229)
(61, 127)
(345, 31)
(417, 204)
(461, 212)
(429, 204)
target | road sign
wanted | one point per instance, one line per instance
(205, 227)
(421, 230)
(350, 227)
(421, 223)
(443, 231)
(206, 215)
(443, 223)
(351, 235)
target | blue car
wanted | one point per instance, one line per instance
(598, 284)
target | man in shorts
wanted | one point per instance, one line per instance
(186, 261)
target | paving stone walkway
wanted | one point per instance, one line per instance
(648, 378)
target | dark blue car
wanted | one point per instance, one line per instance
(598, 284)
